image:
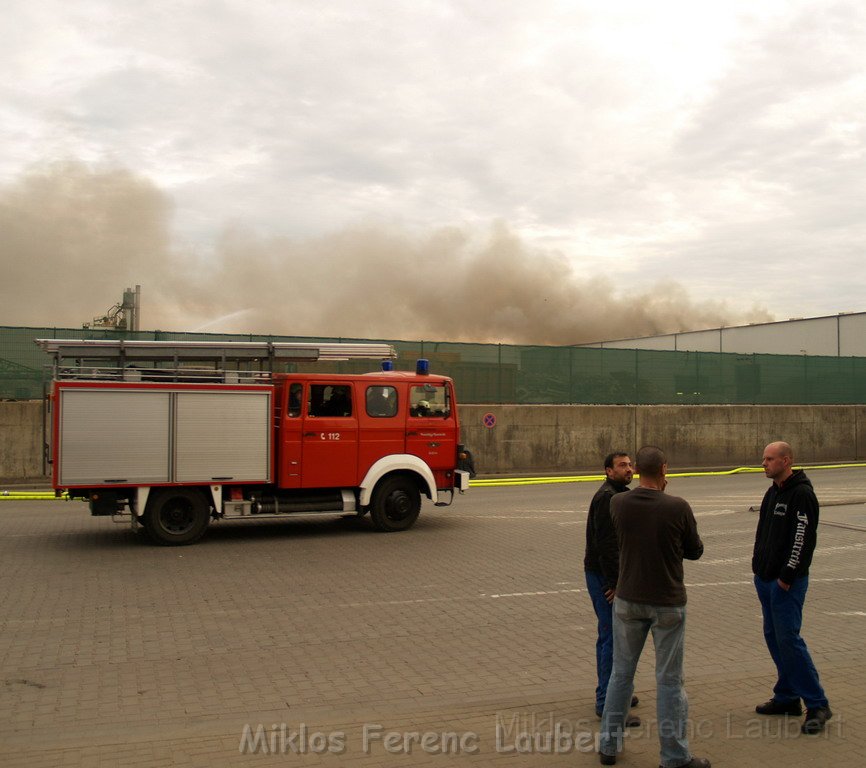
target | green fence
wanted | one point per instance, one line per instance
(501, 373)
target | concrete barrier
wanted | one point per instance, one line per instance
(566, 438)
(574, 438)
(20, 440)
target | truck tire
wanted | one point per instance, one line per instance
(396, 504)
(176, 516)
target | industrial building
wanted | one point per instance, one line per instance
(842, 335)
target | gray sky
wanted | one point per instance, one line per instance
(590, 153)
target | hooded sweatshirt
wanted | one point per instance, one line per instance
(787, 530)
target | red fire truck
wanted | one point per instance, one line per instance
(172, 435)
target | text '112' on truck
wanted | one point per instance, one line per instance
(173, 435)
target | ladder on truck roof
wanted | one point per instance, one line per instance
(120, 358)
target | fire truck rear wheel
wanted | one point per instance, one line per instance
(176, 516)
(396, 504)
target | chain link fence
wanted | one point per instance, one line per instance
(502, 373)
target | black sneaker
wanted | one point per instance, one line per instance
(606, 759)
(695, 762)
(773, 707)
(816, 719)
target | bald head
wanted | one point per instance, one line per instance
(777, 461)
(783, 449)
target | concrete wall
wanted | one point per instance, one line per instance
(20, 439)
(564, 438)
(568, 438)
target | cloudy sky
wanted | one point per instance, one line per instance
(484, 169)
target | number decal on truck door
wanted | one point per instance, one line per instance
(331, 444)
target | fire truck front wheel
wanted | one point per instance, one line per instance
(176, 516)
(396, 504)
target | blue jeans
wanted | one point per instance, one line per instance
(632, 622)
(783, 617)
(604, 643)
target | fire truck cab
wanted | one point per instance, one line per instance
(171, 447)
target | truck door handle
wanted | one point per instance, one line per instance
(411, 434)
(310, 434)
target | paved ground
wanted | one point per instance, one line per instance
(473, 631)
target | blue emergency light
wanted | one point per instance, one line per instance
(387, 365)
(422, 367)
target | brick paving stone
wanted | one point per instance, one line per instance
(113, 652)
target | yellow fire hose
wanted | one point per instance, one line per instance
(491, 481)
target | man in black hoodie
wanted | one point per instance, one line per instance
(784, 543)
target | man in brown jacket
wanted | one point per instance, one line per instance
(655, 532)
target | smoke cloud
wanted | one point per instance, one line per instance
(74, 237)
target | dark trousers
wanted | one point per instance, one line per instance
(783, 616)
(604, 643)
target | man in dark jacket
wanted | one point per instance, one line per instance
(655, 531)
(784, 543)
(601, 567)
